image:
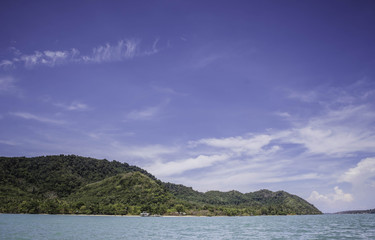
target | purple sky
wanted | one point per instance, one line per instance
(217, 95)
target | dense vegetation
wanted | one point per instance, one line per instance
(78, 185)
(263, 202)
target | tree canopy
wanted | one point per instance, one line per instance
(70, 184)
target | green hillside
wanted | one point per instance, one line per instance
(259, 202)
(127, 193)
(79, 185)
(61, 175)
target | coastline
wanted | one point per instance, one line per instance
(104, 215)
(151, 216)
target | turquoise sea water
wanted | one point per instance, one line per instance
(13, 226)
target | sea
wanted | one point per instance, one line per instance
(327, 226)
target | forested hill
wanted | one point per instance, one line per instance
(70, 184)
(60, 174)
(266, 201)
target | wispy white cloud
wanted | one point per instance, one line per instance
(283, 114)
(123, 50)
(338, 132)
(252, 159)
(6, 64)
(30, 116)
(279, 156)
(332, 97)
(343, 131)
(239, 175)
(177, 167)
(48, 58)
(147, 113)
(16, 52)
(74, 106)
(251, 146)
(154, 48)
(342, 125)
(143, 114)
(206, 60)
(8, 142)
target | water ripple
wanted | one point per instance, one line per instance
(260, 227)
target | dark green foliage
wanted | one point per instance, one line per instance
(128, 189)
(268, 202)
(78, 185)
(183, 192)
(60, 175)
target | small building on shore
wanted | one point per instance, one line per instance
(145, 214)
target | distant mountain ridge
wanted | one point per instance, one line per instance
(372, 211)
(70, 184)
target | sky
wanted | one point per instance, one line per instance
(216, 95)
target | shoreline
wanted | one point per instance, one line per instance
(158, 216)
(104, 215)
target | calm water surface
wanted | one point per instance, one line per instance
(13, 226)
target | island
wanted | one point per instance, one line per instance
(71, 184)
(369, 211)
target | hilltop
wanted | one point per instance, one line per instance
(70, 184)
